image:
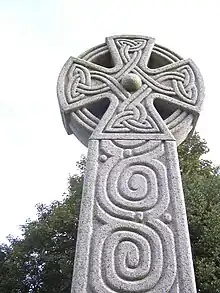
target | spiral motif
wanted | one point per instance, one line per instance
(130, 258)
(127, 255)
(134, 188)
(134, 185)
(132, 203)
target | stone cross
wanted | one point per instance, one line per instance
(131, 102)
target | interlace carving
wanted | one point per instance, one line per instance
(133, 234)
(84, 82)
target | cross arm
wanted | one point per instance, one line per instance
(184, 82)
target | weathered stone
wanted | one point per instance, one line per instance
(130, 101)
(131, 82)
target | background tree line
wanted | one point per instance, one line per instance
(41, 261)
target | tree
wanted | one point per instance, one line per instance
(42, 260)
(201, 184)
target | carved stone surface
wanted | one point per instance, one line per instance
(130, 101)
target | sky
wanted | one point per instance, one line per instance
(37, 37)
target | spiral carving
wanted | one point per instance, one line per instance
(129, 257)
(134, 188)
(131, 249)
(130, 185)
(132, 204)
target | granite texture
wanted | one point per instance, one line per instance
(131, 102)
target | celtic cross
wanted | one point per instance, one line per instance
(131, 102)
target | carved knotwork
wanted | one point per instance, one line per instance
(131, 99)
(177, 84)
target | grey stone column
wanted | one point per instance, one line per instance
(131, 102)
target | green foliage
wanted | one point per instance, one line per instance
(201, 184)
(42, 260)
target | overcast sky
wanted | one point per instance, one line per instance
(37, 37)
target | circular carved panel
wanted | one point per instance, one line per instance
(130, 88)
